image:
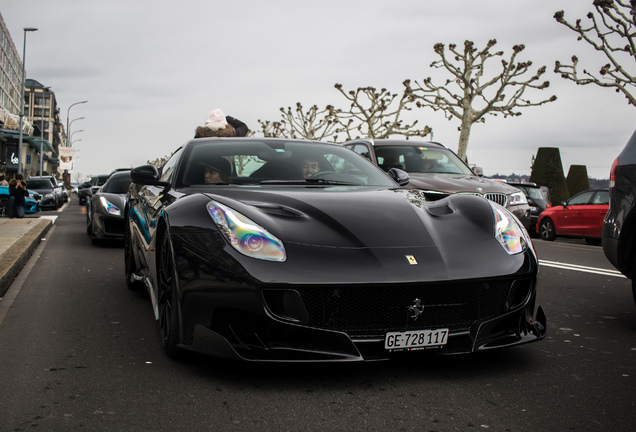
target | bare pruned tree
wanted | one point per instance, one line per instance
(376, 114)
(271, 129)
(612, 31)
(468, 94)
(313, 124)
(159, 162)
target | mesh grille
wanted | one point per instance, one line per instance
(371, 311)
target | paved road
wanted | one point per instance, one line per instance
(79, 352)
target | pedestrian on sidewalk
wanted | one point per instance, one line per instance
(17, 194)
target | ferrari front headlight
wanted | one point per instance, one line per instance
(109, 207)
(245, 235)
(508, 231)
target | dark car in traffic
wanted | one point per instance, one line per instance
(580, 216)
(87, 189)
(619, 226)
(45, 188)
(538, 199)
(438, 170)
(104, 210)
(247, 257)
(61, 196)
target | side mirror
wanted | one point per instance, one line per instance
(401, 177)
(564, 204)
(479, 171)
(147, 175)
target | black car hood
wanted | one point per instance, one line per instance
(357, 234)
(454, 183)
(363, 218)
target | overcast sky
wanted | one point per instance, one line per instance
(151, 70)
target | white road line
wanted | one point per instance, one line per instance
(580, 268)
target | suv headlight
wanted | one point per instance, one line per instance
(517, 198)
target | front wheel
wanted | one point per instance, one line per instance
(634, 281)
(168, 301)
(546, 230)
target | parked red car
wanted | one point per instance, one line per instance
(581, 216)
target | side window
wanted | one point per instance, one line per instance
(602, 197)
(168, 170)
(581, 199)
(361, 149)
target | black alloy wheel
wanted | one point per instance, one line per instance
(168, 303)
(546, 230)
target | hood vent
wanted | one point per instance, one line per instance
(276, 210)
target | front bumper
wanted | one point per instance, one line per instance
(281, 325)
(107, 226)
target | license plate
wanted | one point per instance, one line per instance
(415, 339)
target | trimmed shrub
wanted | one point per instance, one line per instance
(547, 170)
(577, 179)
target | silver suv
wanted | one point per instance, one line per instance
(437, 170)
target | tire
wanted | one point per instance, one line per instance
(546, 230)
(168, 301)
(129, 262)
(89, 225)
(634, 281)
(4, 207)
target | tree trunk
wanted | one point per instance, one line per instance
(464, 133)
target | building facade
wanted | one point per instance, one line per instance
(42, 132)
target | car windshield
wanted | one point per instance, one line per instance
(420, 159)
(39, 184)
(532, 192)
(270, 161)
(117, 184)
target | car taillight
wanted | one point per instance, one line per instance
(612, 179)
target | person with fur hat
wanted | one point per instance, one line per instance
(218, 124)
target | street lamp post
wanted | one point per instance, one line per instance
(26, 29)
(69, 143)
(68, 125)
(42, 129)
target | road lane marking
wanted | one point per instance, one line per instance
(580, 268)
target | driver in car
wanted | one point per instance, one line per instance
(309, 167)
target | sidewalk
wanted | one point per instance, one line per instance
(18, 240)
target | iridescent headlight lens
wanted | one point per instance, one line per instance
(245, 235)
(508, 232)
(109, 207)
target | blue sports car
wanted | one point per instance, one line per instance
(32, 202)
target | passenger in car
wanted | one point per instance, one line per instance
(216, 171)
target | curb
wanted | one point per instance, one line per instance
(13, 260)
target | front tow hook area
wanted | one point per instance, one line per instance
(540, 323)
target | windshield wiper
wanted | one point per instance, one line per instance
(309, 182)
